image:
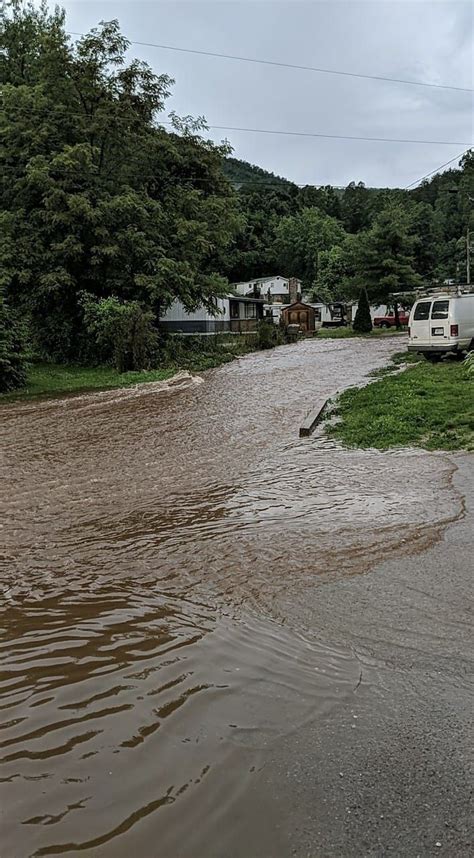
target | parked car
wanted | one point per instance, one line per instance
(389, 320)
(441, 324)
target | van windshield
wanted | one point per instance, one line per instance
(422, 311)
(440, 310)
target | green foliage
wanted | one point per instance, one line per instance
(47, 379)
(96, 197)
(12, 364)
(344, 333)
(120, 333)
(300, 238)
(363, 322)
(200, 353)
(469, 365)
(384, 255)
(268, 335)
(356, 207)
(335, 270)
(426, 405)
(241, 173)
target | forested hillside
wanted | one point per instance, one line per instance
(107, 217)
(241, 173)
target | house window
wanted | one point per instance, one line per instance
(234, 309)
(250, 311)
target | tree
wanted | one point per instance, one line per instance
(356, 207)
(12, 365)
(384, 256)
(300, 238)
(336, 268)
(362, 321)
(98, 198)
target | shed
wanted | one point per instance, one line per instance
(300, 314)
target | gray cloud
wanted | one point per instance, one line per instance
(430, 41)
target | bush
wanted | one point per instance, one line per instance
(469, 364)
(268, 335)
(363, 321)
(120, 333)
(12, 364)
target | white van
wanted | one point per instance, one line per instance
(441, 324)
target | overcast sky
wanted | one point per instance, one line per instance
(431, 40)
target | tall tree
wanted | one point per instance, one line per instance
(300, 238)
(363, 320)
(385, 255)
(98, 197)
(356, 207)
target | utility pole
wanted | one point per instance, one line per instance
(468, 256)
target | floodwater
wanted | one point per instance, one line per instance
(152, 541)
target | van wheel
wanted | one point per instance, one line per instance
(433, 357)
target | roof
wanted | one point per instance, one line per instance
(297, 304)
(264, 279)
(248, 298)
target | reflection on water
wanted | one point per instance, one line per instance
(148, 537)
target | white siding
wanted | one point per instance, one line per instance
(277, 285)
(177, 312)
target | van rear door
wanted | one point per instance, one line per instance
(420, 324)
(439, 324)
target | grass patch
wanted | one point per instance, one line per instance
(346, 332)
(195, 354)
(426, 405)
(51, 379)
(396, 360)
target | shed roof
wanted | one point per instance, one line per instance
(297, 304)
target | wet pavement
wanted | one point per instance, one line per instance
(189, 618)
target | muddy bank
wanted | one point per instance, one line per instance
(159, 556)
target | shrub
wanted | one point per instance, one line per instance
(363, 321)
(12, 364)
(268, 335)
(119, 332)
(469, 364)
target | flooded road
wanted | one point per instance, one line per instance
(153, 544)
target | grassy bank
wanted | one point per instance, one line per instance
(426, 405)
(344, 333)
(51, 379)
(195, 354)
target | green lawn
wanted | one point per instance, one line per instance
(426, 405)
(344, 332)
(48, 379)
(195, 354)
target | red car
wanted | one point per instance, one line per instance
(389, 321)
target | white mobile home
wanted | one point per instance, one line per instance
(234, 313)
(274, 290)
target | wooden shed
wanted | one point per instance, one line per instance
(300, 314)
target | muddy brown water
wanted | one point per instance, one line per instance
(151, 543)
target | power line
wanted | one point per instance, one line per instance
(329, 136)
(313, 134)
(384, 78)
(436, 170)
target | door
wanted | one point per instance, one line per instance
(303, 320)
(439, 322)
(420, 324)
